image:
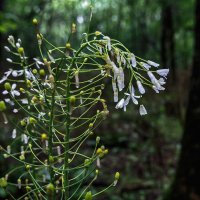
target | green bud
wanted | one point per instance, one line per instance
(98, 139)
(117, 176)
(21, 50)
(96, 171)
(91, 125)
(88, 196)
(28, 188)
(87, 162)
(42, 72)
(51, 159)
(50, 189)
(3, 182)
(72, 100)
(35, 21)
(7, 86)
(23, 122)
(68, 45)
(32, 120)
(2, 106)
(28, 83)
(35, 71)
(22, 157)
(28, 167)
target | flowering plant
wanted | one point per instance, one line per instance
(59, 98)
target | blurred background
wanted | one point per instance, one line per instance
(158, 155)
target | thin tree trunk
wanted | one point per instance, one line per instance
(167, 38)
(187, 181)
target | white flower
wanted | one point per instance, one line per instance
(163, 72)
(152, 63)
(162, 81)
(11, 40)
(14, 133)
(140, 87)
(9, 60)
(120, 104)
(38, 62)
(120, 79)
(12, 91)
(24, 101)
(145, 65)
(7, 48)
(133, 60)
(108, 42)
(17, 44)
(76, 74)
(51, 58)
(142, 110)
(133, 96)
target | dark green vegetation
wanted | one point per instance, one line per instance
(145, 150)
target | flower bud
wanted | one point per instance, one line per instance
(91, 125)
(97, 33)
(35, 71)
(73, 28)
(117, 176)
(42, 72)
(23, 122)
(51, 159)
(2, 106)
(7, 86)
(44, 136)
(21, 50)
(72, 100)
(68, 45)
(35, 21)
(28, 83)
(32, 120)
(50, 189)
(22, 157)
(88, 196)
(3, 182)
(98, 139)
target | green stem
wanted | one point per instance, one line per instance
(67, 136)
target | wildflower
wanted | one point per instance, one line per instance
(133, 60)
(14, 133)
(163, 72)
(146, 66)
(9, 60)
(126, 102)
(19, 183)
(77, 78)
(120, 104)
(120, 79)
(152, 63)
(12, 90)
(140, 87)
(117, 176)
(142, 110)
(133, 96)
(11, 40)
(7, 48)
(38, 62)
(108, 42)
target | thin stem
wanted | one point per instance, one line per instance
(67, 136)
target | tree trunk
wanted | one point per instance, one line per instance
(187, 181)
(167, 38)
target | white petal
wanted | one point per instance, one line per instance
(5, 92)
(152, 63)
(120, 104)
(14, 86)
(163, 72)
(140, 87)
(142, 110)
(14, 73)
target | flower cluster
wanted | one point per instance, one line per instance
(59, 98)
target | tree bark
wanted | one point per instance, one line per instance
(187, 181)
